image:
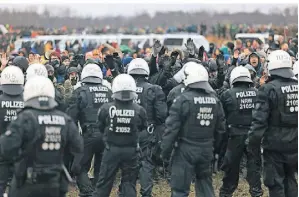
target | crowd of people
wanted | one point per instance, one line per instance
(188, 112)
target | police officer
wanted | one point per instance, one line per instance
(238, 103)
(40, 70)
(121, 121)
(152, 98)
(195, 120)
(37, 141)
(12, 80)
(89, 97)
(215, 81)
(275, 120)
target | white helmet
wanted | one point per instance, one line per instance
(36, 70)
(196, 76)
(38, 86)
(280, 64)
(295, 68)
(195, 73)
(138, 66)
(12, 80)
(92, 73)
(124, 87)
(180, 75)
(240, 74)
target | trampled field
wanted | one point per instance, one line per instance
(162, 189)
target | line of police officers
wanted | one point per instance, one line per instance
(123, 127)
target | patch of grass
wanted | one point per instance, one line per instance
(162, 189)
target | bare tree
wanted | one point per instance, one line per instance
(57, 17)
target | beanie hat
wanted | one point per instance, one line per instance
(54, 53)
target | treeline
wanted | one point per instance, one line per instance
(165, 19)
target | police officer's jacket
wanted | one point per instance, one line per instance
(152, 99)
(43, 136)
(176, 91)
(121, 123)
(275, 117)
(195, 118)
(9, 106)
(86, 101)
(238, 103)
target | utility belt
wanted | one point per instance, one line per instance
(238, 126)
(89, 129)
(39, 175)
(237, 130)
(4, 161)
(107, 146)
(49, 175)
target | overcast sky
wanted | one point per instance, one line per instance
(133, 8)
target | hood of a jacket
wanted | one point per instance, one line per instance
(181, 54)
(259, 61)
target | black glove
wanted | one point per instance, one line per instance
(76, 168)
(200, 53)
(167, 65)
(110, 61)
(167, 62)
(220, 61)
(190, 47)
(174, 55)
(162, 51)
(157, 48)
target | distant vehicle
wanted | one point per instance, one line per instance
(170, 40)
(179, 40)
(262, 38)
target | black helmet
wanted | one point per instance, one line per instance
(71, 70)
(21, 62)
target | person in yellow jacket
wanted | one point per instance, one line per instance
(48, 46)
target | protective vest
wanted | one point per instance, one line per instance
(9, 105)
(286, 112)
(144, 99)
(97, 95)
(202, 118)
(51, 137)
(240, 110)
(44, 152)
(122, 129)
